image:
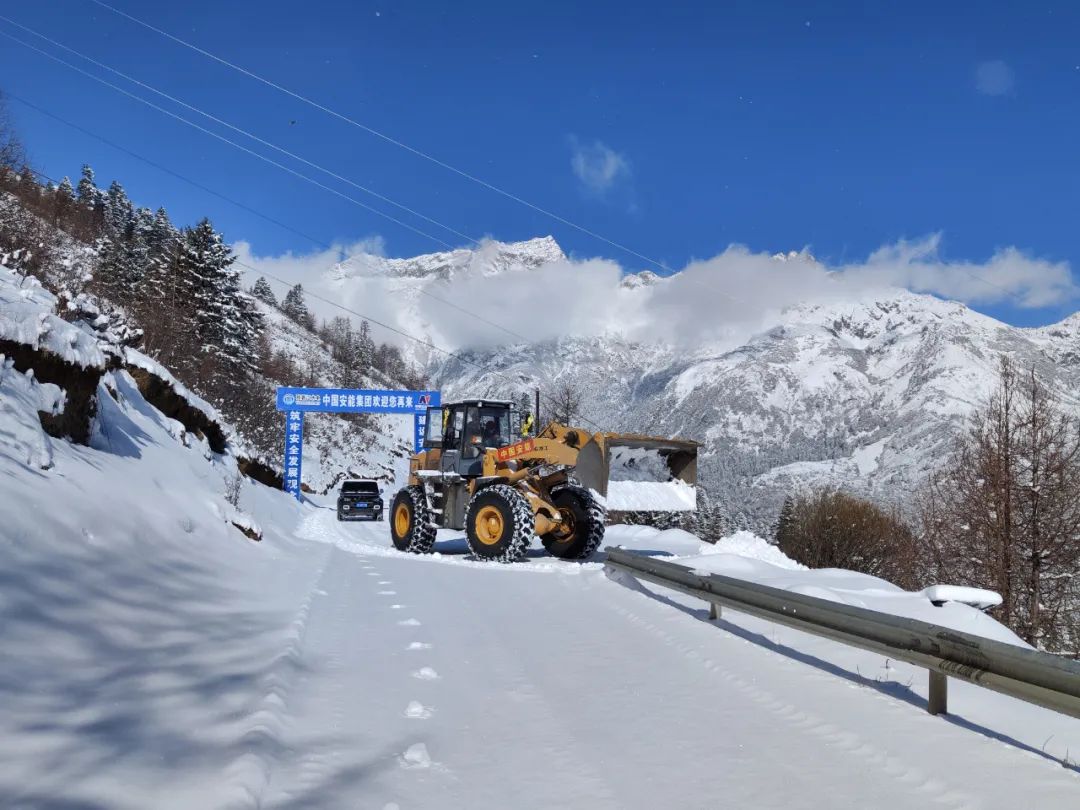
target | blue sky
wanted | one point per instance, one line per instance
(675, 129)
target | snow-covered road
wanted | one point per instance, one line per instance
(438, 682)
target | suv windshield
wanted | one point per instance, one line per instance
(364, 487)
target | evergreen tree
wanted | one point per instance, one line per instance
(87, 190)
(119, 212)
(365, 347)
(157, 290)
(262, 291)
(225, 321)
(782, 533)
(295, 307)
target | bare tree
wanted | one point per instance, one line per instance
(565, 400)
(1004, 512)
(830, 529)
(12, 153)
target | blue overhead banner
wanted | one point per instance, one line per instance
(295, 402)
(352, 400)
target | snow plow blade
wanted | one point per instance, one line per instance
(640, 473)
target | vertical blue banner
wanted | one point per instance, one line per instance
(294, 453)
(419, 423)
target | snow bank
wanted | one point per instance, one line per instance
(140, 627)
(21, 399)
(749, 545)
(849, 588)
(137, 359)
(744, 555)
(27, 317)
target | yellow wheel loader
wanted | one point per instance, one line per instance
(481, 471)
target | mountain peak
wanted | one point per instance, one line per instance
(488, 257)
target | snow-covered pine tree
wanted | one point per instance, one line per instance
(365, 347)
(263, 292)
(226, 323)
(157, 290)
(119, 212)
(295, 307)
(88, 192)
(123, 250)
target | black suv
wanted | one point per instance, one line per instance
(360, 500)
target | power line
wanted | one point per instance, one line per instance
(419, 153)
(286, 284)
(222, 138)
(333, 174)
(238, 130)
(219, 195)
(267, 160)
(372, 131)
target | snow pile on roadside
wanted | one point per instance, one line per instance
(140, 626)
(748, 544)
(851, 588)
(21, 399)
(744, 555)
(646, 539)
(27, 316)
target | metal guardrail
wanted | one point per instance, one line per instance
(1036, 677)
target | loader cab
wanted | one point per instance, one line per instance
(464, 430)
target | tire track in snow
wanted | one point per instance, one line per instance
(923, 787)
(251, 771)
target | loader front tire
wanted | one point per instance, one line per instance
(499, 524)
(411, 526)
(584, 520)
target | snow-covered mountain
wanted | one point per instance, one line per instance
(865, 392)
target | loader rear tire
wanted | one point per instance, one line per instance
(499, 524)
(411, 527)
(584, 518)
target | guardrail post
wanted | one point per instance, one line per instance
(714, 611)
(939, 693)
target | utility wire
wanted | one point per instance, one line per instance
(437, 161)
(450, 354)
(261, 157)
(222, 138)
(237, 129)
(347, 258)
(372, 131)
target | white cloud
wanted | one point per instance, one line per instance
(724, 299)
(597, 166)
(995, 78)
(294, 268)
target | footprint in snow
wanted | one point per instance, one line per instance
(410, 623)
(416, 757)
(396, 607)
(385, 582)
(373, 573)
(419, 645)
(417, 710)
(387, 593)
(426, 674)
